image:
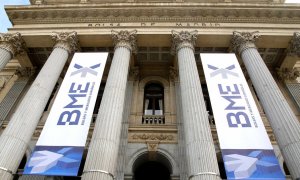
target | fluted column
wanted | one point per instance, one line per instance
(200, 150)
(17, 135)
(284, 123)
(102, 155)
(10, 45)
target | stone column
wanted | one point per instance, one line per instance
(283, 121)
(17, 135)
(10, 45)
(200, 150)
(102, 155)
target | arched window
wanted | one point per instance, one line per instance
(153, 104)
(154, 94)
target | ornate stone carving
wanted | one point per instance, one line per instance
(173, 73)
(152, 149)
(25, 71)
(152, 145)
(134, 73)
(159, 137)
(125, 39)
(3, 81)
(183, 39)
(243, 40)
(12, 43)
(287, 74)
(294, 46)
(66, 40)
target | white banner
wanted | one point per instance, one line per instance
(60, 146)
(246, 148)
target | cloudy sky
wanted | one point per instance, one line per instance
(4, 22)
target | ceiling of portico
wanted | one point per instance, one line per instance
(159, 59)
(215, 23)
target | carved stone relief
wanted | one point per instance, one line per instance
(287, 74)
(157, 137)
(3, 81)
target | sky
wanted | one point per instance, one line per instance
(4, 22)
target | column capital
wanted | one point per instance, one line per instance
(125, 39)
(294, 45)
(12, 42)
(183, 39)
(66, 40)
(287, 74)
(243, 40)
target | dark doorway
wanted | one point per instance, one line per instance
(152, 170)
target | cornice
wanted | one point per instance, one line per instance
(159, 12)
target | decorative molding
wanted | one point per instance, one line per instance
(13, 43)
(125, 39)
(147, 137)
(294, 45)
(287, 74)
(66, 40)
(243, 40)
(183, 39)
(193, 12)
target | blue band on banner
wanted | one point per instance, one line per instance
(251, 164)
(54, 160)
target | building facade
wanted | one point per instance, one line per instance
(153, 118)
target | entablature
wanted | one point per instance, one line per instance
(141, 1)
(215, 22)
(154, 12)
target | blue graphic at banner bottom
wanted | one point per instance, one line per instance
(251, 164)
(53, 160)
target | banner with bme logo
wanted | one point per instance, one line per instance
(60, 146)
(245, 145)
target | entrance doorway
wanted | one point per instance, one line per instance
(152, 170)
(148, 168)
